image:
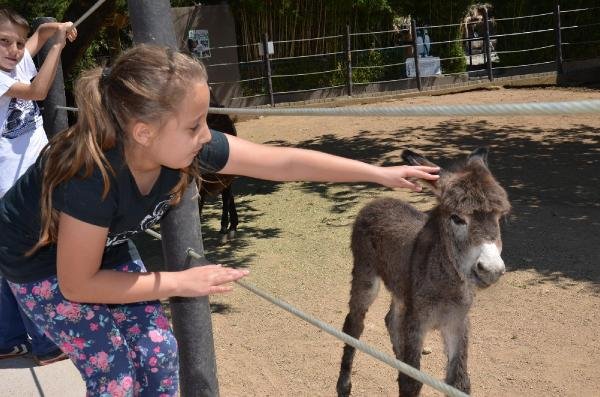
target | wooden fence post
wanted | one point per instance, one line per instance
(55, 120)
(558, 38)
(348, 61)
(488, 44)
(413, 26)
(267, 61)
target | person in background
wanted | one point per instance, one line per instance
(21, 140)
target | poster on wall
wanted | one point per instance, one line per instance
(198, 43)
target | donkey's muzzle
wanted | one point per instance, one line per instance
(489, 266)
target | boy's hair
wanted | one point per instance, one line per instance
(9, 15)
(145, 83)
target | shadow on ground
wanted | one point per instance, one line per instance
(18, 362)
(553, 183)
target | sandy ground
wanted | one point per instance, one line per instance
(534, 333)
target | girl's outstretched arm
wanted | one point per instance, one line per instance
(293, 164)
(80, 249)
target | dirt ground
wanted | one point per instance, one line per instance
(534, 333)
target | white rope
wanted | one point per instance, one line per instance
(500, 109)
(68, 108)
(387, 359)
(393, 362)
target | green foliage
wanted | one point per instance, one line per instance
(290, 20)
(373, 71)
(577, 50)
(39, 8)
(454, 50)
(286, 20)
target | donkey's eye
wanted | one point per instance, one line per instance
(458, 220)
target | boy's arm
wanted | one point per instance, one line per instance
(37, 40)
(38, 89)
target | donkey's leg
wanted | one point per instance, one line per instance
(393, 322)
(365, 286)
(412, 335)
(225, 198)
(233, 216)
(456, 341)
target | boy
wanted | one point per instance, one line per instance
(22, 137)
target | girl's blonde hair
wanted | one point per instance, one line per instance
(145, 83)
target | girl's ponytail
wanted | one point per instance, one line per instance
(76, 151)
(145, 83)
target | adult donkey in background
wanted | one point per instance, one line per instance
(213, 184)
(432, 263)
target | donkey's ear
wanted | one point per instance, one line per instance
(479, 154)
(413, 158)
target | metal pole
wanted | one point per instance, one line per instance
(488, 44)
(558, 38)
(265, 45)
(470, 44)
(349, 60)
(152, 23)
(55, 120)
(413, 28)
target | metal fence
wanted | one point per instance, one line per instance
(375, 62)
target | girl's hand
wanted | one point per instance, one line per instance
(395, 176)
(206, 280)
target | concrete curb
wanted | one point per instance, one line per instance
(20, 377)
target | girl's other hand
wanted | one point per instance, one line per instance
(207, 280)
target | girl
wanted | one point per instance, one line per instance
(140, 138)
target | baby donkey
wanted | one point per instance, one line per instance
(432, 263)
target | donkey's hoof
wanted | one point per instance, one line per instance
(224, 239)
(231, 234)
(343, 388)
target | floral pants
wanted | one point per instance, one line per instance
(120, 350)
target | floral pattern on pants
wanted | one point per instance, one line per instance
(120, 350)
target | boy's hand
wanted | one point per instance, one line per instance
(71, 31)
(66, 31)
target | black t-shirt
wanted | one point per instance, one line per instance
(124, 210)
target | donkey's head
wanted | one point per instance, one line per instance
(470, 205)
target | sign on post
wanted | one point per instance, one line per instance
(199, 43)
(270, 49)
(428, 66)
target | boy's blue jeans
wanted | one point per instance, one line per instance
(15, 325)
